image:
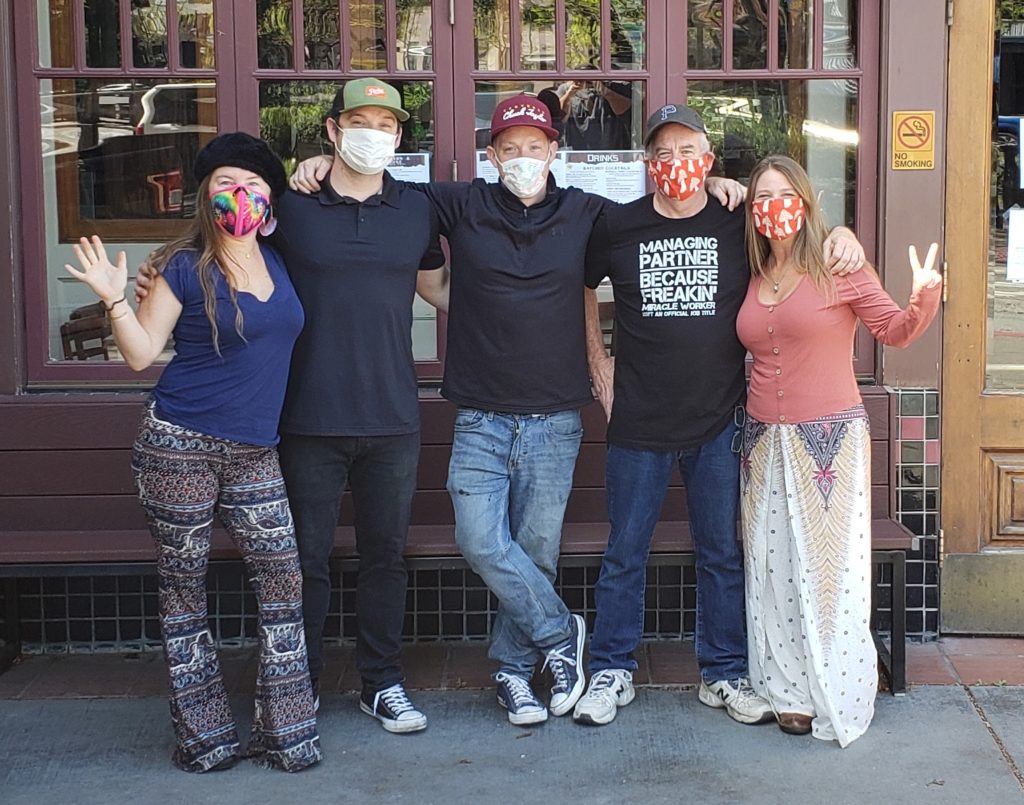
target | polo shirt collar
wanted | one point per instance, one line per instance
(390, 194)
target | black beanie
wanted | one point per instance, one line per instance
(241, 150)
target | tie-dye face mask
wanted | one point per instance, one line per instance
(239, 210)
(779, 218)
(680, 178)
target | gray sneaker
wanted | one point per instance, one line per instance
(608, 691)
(738, 699)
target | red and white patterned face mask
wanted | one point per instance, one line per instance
(680, 178)
(779, 218)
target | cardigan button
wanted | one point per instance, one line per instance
(775, 350)
(778, 371)
(780, 392)
(771, 330)
(771, 308)
(782, 418)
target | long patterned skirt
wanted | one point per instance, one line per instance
(183, 477)
(806, 510)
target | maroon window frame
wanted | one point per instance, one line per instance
(237, 77)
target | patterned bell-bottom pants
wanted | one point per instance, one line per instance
(183, 477)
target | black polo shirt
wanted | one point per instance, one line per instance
(354, 266)
(516, 334)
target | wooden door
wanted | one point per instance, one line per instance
(982, 526)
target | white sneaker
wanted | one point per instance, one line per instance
(739, 700)
(609, 690)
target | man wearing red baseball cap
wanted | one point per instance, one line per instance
(516, 367)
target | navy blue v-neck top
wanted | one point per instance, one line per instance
(238, 394)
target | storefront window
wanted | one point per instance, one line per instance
(414, 35)
(491, 26)
(274, 34)
(196, 34)
(117, 159)
(1004, 369)
(629, 35)
(321, 27)
(292, 117)
(814, 121)
(796, 34)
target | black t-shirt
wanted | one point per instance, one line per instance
(516, 327)
(678, 285)
(354, 267)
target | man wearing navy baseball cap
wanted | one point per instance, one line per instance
(674, 397)
(516, 367)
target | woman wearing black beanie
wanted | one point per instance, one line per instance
(207, 444)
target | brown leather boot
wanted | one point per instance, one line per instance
(795, 723)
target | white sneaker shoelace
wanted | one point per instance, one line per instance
(556, 661)
(518, 688)
(602, 688)
(395, 699)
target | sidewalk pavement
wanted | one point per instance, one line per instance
(95, 729)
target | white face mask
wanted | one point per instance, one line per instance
(524, 176)
(366, 151)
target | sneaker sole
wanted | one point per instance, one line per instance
(711, 700)
(597, 721)
(524, 719)
(394, 726)
(567, 704)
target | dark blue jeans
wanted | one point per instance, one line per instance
(637, 481)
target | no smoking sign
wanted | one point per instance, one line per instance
(913, 141)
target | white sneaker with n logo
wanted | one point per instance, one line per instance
(609, 690)
(738, 699)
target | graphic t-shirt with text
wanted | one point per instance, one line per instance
(678, 286)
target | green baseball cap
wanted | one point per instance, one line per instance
(368, 92)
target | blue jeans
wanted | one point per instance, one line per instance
(509, 478)
(637, 481)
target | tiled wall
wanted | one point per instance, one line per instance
(917, 502)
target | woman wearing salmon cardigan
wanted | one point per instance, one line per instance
(805, 463)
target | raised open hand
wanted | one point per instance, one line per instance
(925, 276)
(107, 280)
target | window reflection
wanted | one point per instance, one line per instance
(796, 34)
(274, 34)
(1004, 368)
(117, 161)
(840, 45)
(813, 121)
(537, 34)
(491, 26)
(583, 34)
(102, 33)
(367, 34)
(750, 34)
(197, 34)
(322, 32)
(629, 31)
(55, 40)
(414, 35)
(704, 34)
(149, 33)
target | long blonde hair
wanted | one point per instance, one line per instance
(206, 239)
(808, 248)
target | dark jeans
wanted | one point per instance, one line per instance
(381, 472)
(637, 481)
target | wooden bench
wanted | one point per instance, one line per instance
(40, 554)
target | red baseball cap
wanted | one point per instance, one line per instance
(522, 110)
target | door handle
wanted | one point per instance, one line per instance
(455, 170)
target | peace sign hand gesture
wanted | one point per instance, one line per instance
(107, 280)
(925, 276)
